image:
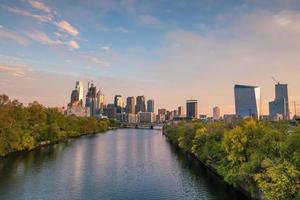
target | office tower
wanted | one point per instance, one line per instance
(74, 97)
(118, 102)
(130, 105)
(140, 104)
(79, 88)
(91, 99)
(150, 105)
(192, 109)
(247, 101)
(180, 111)
(100, 100)
(162, 111)
(280, 106)
(216, 113)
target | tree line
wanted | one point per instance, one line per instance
(260, 157)
(26, 127)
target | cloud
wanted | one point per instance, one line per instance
(105, 48)
(14, 70)
(147, 20)
(10, 35)
(39, 5)
(73, 44)
(96, 60)
(42, 38)
(1, 26)
(67, 27)
(41, 18)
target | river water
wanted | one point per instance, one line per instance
(129, 164)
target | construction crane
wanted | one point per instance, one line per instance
(275, 80)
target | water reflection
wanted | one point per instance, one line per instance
(122, 164)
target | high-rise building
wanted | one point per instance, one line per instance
(192, 109)
(130, 105)
(100, 100)
(247, 101)
(74, 97)
(162, 111)
(79, 88)
(150, 105)
(140, 104)
(119, 103)
(181, 111)
(280, 106)
(216, 113)
(91, 100)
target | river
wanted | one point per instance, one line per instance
(129, 164)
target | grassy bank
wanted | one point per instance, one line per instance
(25, 128)
(260, 157)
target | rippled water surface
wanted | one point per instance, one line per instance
(123, 164)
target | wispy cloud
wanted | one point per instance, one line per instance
(42, 38)
(19, 11)
(105, 48)
(67, 27)
(39, 5)
(147, 20)
(15, 70)
(97, 60)
(10, 35)
(73, 44)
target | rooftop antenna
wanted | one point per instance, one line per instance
(275, 80)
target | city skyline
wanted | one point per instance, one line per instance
(170, 53)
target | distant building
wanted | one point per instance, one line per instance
(146, 117)
(181, 111)
(127, 118)
(247, 101)
(110, 111)
(140, 104)
(78, 110)
(119, 103)
(162, 111)
(191, 109)
(130, 105)
(150, 105)
(203, 117)
(160, 118)
(216, 113)
(91, 99)
(79, 88)
(280, 106)
(231, 118)
(100, 100)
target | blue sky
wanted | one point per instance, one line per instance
(167, 50)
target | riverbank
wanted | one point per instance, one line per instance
(257, 158)
(23, 128)
(211, 169)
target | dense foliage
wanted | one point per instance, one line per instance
(23, 128)
(261, 157)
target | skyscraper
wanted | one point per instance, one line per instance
(216, 113)
(180, 111)
(150, 105)
(140, 104)
(130, 105)
(247, 101)
(192, 109)
(79, 88)
(281, 103)
(90, 100)
(100, 100)
(119, 103)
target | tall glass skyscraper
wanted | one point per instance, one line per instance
(247, 101)
(281, 103)
(192, 109)
(150, 105)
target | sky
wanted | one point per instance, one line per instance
(169, 51)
